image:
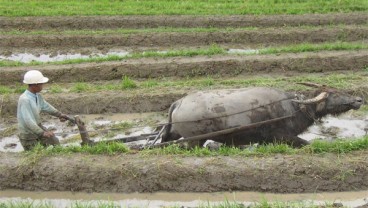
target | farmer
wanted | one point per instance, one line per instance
(30, 105)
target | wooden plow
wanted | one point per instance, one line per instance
(157, 135)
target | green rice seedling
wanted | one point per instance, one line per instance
(227, 151)
(275, 149)
(199, 151)
(338, 146)
(308, 47)
(5, 63)
(167, 7)
(122, 126)
(98, 148)
(150, 83)
(5, 90)
(55, 89)
(25, 204)
(80, 87)
(98, 204)
(127, 83)
(20, 89)
(122, 31)
(208, 82)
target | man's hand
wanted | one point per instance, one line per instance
(63, 117)
(48, 134)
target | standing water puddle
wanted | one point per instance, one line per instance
(117, 126)
(27, 57)
(164, 199)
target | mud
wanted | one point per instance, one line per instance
(111, 22)
(260, 38)
(134, 172)
(150, 173)
(223, 65)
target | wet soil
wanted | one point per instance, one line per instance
(112, 22)
(149, 173)
(221, 65)
(254, 38)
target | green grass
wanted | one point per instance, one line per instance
(133, 31)
(127, 83)
(340, 81)
(170, 7)
(81, 87)
(338, 146)
(212, 50)
(316, 147)
(99, 148)
(307, 47)
(25, 204)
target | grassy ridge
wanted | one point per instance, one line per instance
(339, 146)
(341, 81)
(171, 7)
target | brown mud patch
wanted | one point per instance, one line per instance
(149, 173)
(222, 65)
(113, 22)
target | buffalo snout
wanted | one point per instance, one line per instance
(358, 102)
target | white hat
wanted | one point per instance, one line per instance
(34, 77)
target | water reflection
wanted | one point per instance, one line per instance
(160, 199)
(27, 57)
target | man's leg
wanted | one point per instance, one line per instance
(28, 141)
(28, 144)
(50, 141)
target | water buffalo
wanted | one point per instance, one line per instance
(215, 110)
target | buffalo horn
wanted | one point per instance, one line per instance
(318, 98)
(310, 84)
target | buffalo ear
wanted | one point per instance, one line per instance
(310, 84)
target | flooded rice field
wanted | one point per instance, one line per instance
(134, 180)
(166, 199)
(116, 126)
(58, 56)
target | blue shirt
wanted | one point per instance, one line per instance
(30, 106)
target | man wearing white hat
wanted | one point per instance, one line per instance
(30, 105)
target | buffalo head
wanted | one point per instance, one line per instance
(328, 100)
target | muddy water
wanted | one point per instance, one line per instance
(159, 199)
(28, 57)
(102, 127)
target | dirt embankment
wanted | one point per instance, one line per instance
(138, 173)
(260, 37)
(113, 22)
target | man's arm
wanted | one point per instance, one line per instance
(48, 108)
